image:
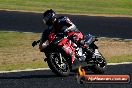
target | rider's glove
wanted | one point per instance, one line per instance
(34, 43)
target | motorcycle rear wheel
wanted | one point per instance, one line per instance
(100, 65)
(60, 68)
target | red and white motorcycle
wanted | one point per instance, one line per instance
(61, 53)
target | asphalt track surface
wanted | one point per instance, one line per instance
(119, 27)
(47, 79)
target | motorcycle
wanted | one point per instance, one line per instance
(64, 56)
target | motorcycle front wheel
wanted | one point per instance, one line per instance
(58, 64)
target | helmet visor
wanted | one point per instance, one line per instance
(44, 21)
(46, 18)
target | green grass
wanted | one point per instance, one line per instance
(123, 7)
(16, 51)
(121, 58)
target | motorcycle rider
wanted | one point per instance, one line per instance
(61, 24)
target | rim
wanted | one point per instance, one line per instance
(100, 62)
(60, 65)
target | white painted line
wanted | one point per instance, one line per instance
(40, 69)
(25, 70)
(98, 37)
(17, 31)
(116, 38)
(119, 63)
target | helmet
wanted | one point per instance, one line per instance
(49, 17)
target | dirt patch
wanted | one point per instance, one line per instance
(115, 47)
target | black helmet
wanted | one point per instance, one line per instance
(49, 17)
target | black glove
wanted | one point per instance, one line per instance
(34, 43)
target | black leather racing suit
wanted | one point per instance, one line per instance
(63, 23)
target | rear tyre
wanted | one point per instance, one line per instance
(60, 68)
(100, 65)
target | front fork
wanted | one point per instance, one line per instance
(60, 57)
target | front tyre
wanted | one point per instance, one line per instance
(58, 64)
